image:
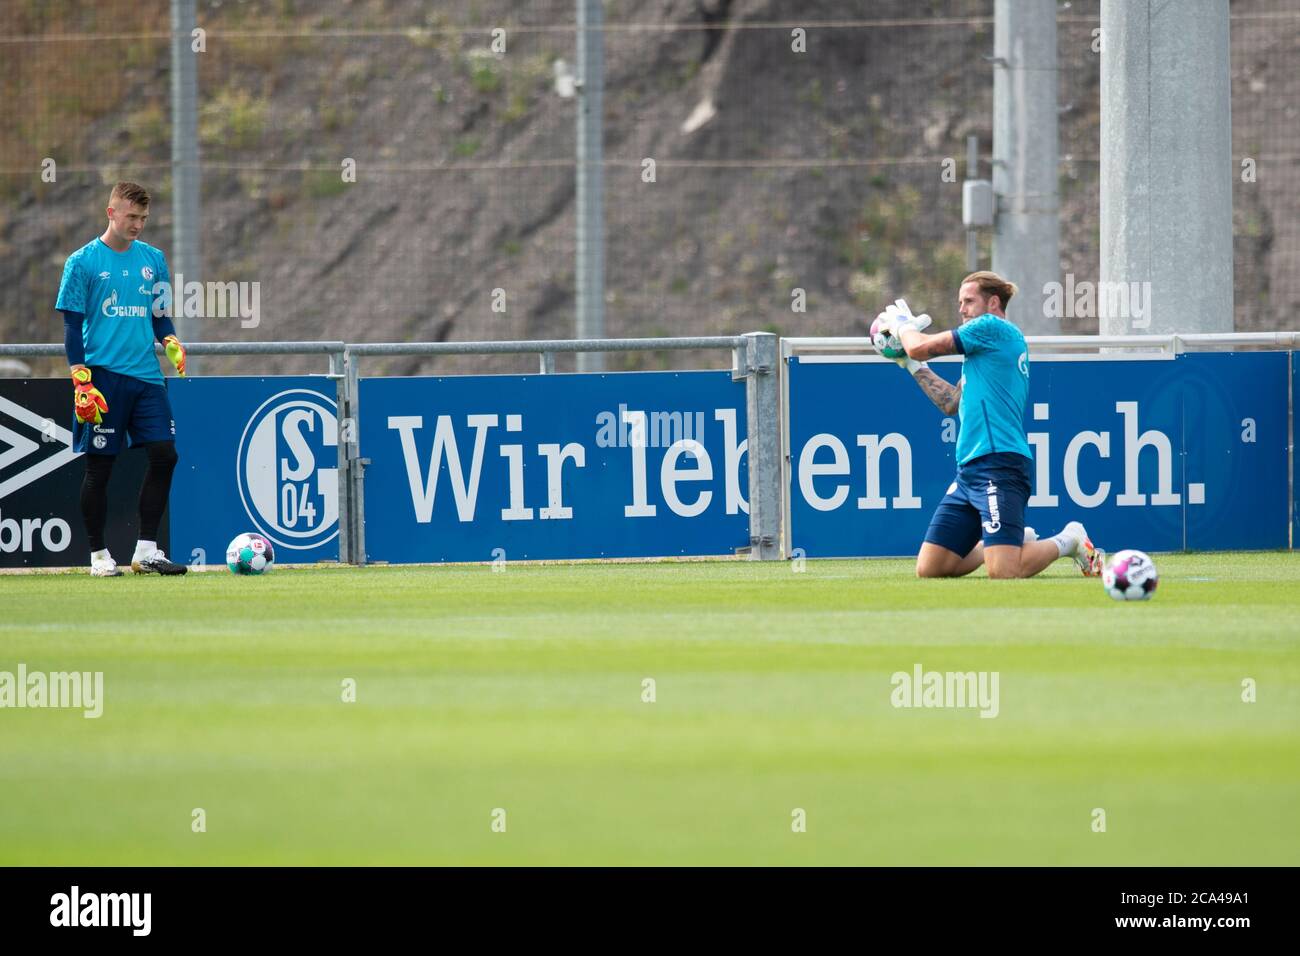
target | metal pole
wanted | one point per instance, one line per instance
(1166, 165)
(357, 466)
(185, 259)
(342, 398)
(763, 409)
(591, 185)
(1027, 236)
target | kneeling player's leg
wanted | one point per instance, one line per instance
(1005, 495)
(936, 561)
(949, 550)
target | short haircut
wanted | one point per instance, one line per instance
(131, 192)
(990, 283)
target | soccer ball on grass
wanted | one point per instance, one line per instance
(250, 554)
(1129, 576)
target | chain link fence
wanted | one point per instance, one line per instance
(394, 170)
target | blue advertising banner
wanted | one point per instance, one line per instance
(1160, 455)
(504, 467)
(256, 454)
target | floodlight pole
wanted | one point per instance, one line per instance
(591, 181)
(185, 258)
(1166, 165)
(1027, 234)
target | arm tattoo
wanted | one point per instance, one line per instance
(946, 397)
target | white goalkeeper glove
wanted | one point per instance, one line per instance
(898, 317)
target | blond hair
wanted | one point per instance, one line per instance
(131, 192)
(990, 284)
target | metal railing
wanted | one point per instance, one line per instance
(1172, 344)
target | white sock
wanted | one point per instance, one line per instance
(1065, 542)
(144, 548)
(100, 555)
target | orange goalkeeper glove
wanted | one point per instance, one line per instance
(175, 352)
(87, 401)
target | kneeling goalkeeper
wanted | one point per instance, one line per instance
(981, 520)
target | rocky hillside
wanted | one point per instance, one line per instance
(776, 169)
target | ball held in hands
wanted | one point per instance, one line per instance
(886, 329)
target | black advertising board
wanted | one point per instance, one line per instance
(40, 482)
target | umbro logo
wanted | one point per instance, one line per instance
(103, 275)
(16, 447)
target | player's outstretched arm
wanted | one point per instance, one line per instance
(919, 346)
(922, 347)
(947, 398)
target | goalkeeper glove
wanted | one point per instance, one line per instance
(175, 353)
(87, 401)
(898, 317)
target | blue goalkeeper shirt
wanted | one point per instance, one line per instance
(996, 375)
(115, 293)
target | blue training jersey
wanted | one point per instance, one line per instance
(996, 375)
(115, 293)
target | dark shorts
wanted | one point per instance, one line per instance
(137, 410)
(986, 501)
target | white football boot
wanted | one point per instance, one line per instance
(104, 567)
(1088, 557)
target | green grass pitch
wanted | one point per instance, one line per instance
(523, 691)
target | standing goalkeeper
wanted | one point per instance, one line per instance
(107, 298)
(981, 520)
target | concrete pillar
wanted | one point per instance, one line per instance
(1166, 166)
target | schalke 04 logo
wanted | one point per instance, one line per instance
(288, 469)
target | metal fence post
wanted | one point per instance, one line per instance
(762, 402)
(338, 372)
(356, 482)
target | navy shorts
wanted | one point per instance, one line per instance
(137, 410)
(986, 501)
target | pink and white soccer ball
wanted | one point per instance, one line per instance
(1129, 576)
(887, 345)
